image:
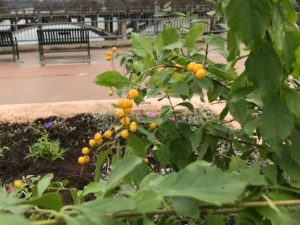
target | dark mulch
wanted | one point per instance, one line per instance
(73, 134)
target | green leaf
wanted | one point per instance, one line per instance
(288, 164)
(194, 33)
(180, 152)
(110, 205)
(296, 64)
(123, 168)
(112, 79)
(275, 122)
(44, 183)
(100, 161)
(48, 201)
(291, 98)
(249, 19)
(141, 45)
(169, 35)
(203, 182)
(264, 69)
(238, 110)
(188, 105)
(147, 200)
(233, 46)
(92, 187)
(13, 219)
(295, 146)
(136, 145)
(186, 206)
(182, 89)
(175, 45)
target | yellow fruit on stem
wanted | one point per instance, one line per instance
(108, 58)
(86, 159)
(121, 103)
(124, 134)
(133, 94)
(191, 66)
(85, 151)
(197, 67)
(109, 53)
(97, 136)
(200, 73)
(125, 121)
(146, 160)
(110, 93)
(107, 134)
(99, 142)
(127, 111)
(133, 128)
(18, 183)
(120, 113)
(153, 125)
(92, 142)
(128, 103)
(81, 160)
(114, 49)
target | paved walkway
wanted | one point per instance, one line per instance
(62, 84)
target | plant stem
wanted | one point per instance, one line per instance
(204, 209)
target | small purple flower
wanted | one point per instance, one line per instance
(152, 115)
(49, 124)
(138, 114)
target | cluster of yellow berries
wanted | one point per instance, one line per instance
(109, 54)
(197, 69)
(123, 113)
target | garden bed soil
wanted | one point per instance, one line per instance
(73, 134)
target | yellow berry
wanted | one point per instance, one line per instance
(108, 58)
(125, 121)
(197, 67)
(146, 160)
(120, 113)
(127, 111)
(128, 103)
(121, 103)
(110, 93)
(99, 142)
(114, 49)
(97, 136)
(153, 125)
(124, 134)
(109, 53)
(86, 159)
(191, 66)
(200, 73)
(85, 151)
(92, 142)
(18, 183)
(133, 94)
(81, 160)
(133, 128)
(107, 134)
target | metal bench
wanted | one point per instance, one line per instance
(8, 41)
(68, 36)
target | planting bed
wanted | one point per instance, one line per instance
(73, 134)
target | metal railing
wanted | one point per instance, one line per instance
(107, 28)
